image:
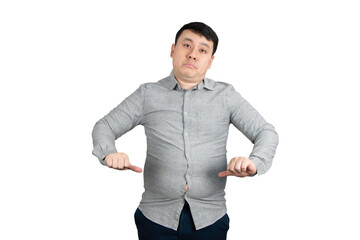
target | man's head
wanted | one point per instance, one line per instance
(201, 29)
(193, 51)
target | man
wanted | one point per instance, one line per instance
(186, 119)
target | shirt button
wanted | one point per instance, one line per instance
(186, 134)
(185, 113)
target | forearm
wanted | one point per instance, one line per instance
(265, 144)
(117, 122)
(103, 140)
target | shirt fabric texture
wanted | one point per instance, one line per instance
(186, 132)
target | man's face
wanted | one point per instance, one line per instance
(192, 56)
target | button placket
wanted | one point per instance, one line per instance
(187, 123)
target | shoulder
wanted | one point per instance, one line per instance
(155, 84)
(219, 85)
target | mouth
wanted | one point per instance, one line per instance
(189, 65)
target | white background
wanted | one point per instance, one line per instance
(65, 64)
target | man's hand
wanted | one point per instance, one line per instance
(239, 167)
(120, 161)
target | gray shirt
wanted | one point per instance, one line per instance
(186, 132)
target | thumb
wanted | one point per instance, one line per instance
(225, 174)
(135, 168)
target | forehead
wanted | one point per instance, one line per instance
(195, 37)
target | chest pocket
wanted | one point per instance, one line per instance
(212, 123)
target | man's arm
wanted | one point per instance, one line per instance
(261, 133)
(117, 122)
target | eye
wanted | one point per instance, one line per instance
(187, 45)
(203, 51)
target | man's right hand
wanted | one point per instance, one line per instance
(120, 161)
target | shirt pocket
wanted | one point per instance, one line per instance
(212, 123)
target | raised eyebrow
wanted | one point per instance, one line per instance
(204, 44)
(188, 39)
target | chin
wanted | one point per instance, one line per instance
(189, 71)
(188, 75)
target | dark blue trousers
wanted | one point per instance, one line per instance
(149, 230)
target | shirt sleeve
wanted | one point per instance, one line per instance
(117, 122)
(261, 133)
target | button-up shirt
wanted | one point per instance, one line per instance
(186, 132)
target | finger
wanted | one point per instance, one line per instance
(237, 166)
(231, 166)
(135, 168)
(244, 165)
(115, 162)
(108, 162)
(251, 168)
(126, 162)
(121, 164)
(225, 174)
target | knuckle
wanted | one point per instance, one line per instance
(120, 164)
(109, 162)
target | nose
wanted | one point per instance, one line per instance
(192, 55)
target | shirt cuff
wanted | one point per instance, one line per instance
(101, 156)
(260, 166)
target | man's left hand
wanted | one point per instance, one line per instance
(239, 167)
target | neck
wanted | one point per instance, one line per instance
(187, 84)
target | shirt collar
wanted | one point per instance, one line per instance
(171, 83)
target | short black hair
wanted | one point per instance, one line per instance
(201, 29)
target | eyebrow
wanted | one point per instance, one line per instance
(202, 43)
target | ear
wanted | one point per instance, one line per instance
(212, 59)
(172, 50)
